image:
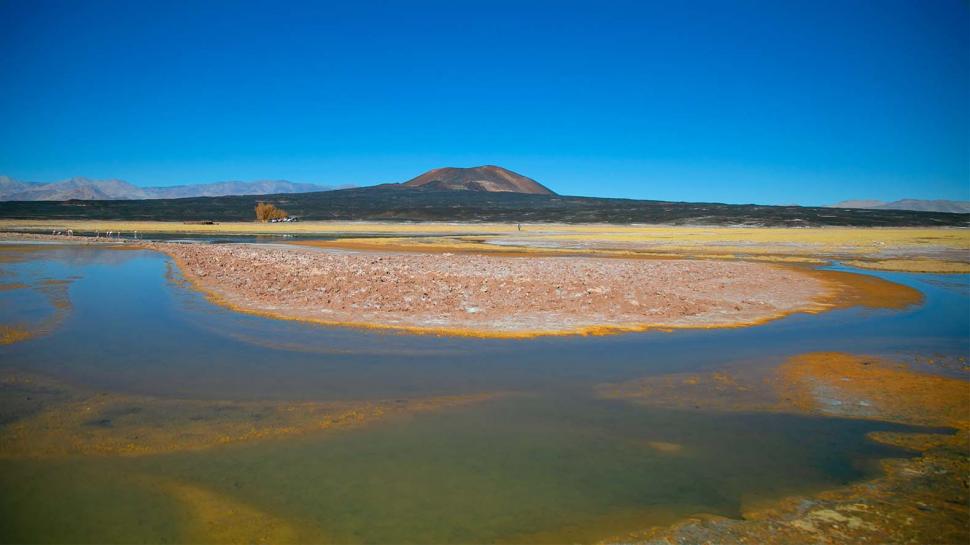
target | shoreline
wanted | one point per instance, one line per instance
(442, 293)
(196, 264)
(676, 294)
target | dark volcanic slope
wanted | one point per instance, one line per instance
(486, 178)
(397, 203)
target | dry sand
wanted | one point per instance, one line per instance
(493, 295)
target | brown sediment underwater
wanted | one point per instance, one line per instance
(12, 286)
(918, 500)
(61, 420)
(10, 334)
(217, 518)
(498, 296)
(56, 295)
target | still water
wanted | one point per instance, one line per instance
(538, 458)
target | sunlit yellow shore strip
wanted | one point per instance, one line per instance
(911, 250)
(257, 228)
(950, 237)
(933, 250)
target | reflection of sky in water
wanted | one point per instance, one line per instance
(133, 330)
(504, 469)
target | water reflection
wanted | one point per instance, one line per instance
(546, 460)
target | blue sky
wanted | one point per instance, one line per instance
(770, 102)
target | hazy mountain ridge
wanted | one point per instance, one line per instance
(220, 189)
(485, 179)
(81, 188)
(917, 205)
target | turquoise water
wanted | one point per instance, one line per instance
(548, 461)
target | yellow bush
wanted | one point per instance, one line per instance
(266, 212)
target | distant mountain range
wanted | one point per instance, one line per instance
(398, 202)
(918, 205)
(488, 178)
(113, 190)
(478, 194)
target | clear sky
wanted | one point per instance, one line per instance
(771, 102)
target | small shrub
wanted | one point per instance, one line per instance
(266, 212)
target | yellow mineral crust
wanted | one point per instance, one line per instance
(849, 385)
(901, 249)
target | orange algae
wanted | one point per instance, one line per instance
(873, 388)
(848, 289)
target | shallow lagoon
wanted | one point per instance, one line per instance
(547, 461)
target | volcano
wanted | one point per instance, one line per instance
(488, 178)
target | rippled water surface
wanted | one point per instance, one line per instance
(536, 457)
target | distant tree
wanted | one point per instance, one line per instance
(266, 212)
